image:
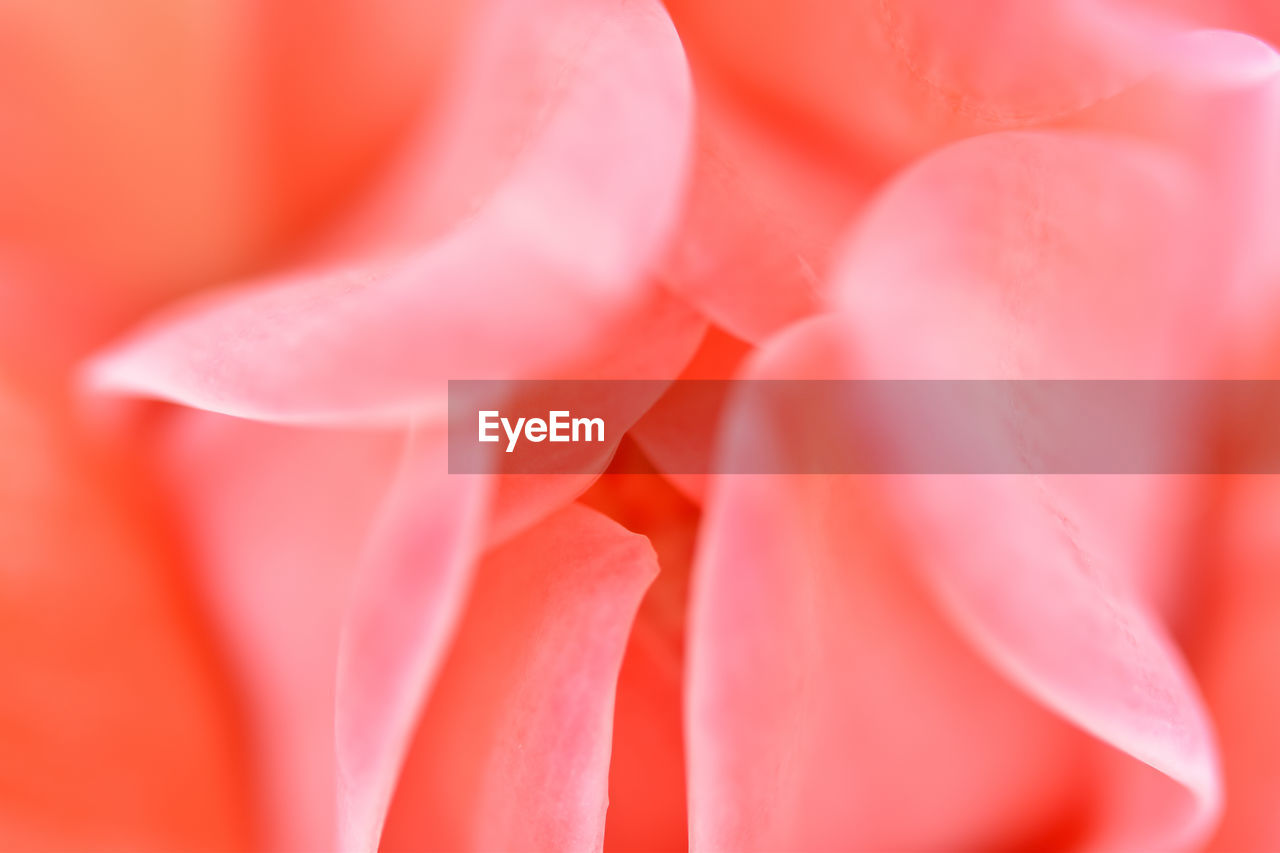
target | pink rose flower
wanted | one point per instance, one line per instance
(244, 247)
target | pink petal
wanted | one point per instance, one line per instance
(1057, 254)
(830, 706)
(1041, 256)
(766, 207)
(646, 769)
(403, 616)
(1036, 255)
(1216, 101)
(893, 78)
(562, 162)
(1256, 17)
(277, 521)
(512, 751)
(400, 616)
(1028, 570)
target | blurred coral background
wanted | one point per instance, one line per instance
(245, 243)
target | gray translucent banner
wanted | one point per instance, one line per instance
(869, 426)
